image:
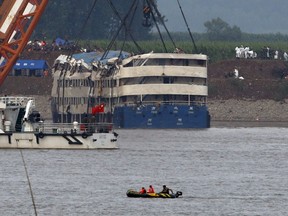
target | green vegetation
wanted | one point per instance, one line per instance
(74, 19)
(219, 42)
(72, 23)
(216, 50)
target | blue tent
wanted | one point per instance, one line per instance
(31, 65)
(60, 41)
(30, 68)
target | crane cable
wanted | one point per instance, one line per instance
(66, 66)
(150, 2)
(126, 31)
(157, 27)
(195, 47)
(123, 23)
(29, 183)
(83, 26)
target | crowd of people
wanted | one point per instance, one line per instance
(245, 52)
(266, 53)
(57, 44)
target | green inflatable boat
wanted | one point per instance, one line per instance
(136, 194)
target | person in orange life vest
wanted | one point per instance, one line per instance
(151, 189)
(142, 191)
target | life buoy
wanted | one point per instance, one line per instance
(84, 135)
(41, 135)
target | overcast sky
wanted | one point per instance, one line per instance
(252, 16)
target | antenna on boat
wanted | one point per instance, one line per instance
(29, 183)
(195, 47)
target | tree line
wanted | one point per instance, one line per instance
(91, 19)
(74, 20)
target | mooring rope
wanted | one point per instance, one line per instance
(29, 183)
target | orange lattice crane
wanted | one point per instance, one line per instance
(18, 19)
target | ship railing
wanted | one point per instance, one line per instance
(141, 62)
(68, 128)
(16, 101)
(158, 103)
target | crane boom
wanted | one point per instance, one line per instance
(18, 19)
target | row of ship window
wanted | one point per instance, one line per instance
(106, 83)
(92, 100)
(73, 100)
(86, 83)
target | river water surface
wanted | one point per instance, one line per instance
(221, 171)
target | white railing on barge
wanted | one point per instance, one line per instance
(63, 128)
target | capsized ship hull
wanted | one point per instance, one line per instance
(151, 90)
(164, 116)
